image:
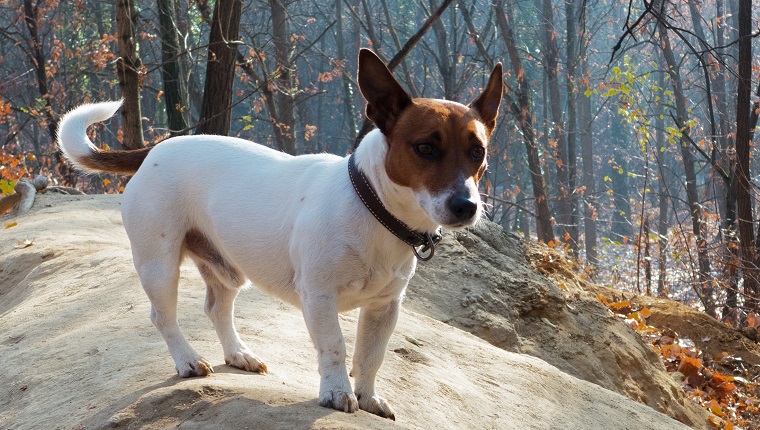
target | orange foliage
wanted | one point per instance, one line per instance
(731, 405)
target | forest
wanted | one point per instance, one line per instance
(624, 139)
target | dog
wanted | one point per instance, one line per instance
(319, 231)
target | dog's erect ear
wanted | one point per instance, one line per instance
(487, 103)
(385, 97)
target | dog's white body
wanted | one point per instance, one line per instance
(280, 220)
(293, 226)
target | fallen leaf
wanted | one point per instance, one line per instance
(715, 408)
(753, 320)
(715, 421)
(722, 386)
(623, 307)
(645, 313)
(601, 298)
(413, 341)
(690, 367)
(9, 224)
(26, 243)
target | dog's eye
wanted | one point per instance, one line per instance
(425, 150)
(478, 153)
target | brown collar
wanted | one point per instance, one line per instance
(372, 202)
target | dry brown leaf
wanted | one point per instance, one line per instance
(690, 367)
(623, 307)
(9, 224)
(26, 243)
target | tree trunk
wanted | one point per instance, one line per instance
(31, 19)
(129, 68)
(445, 64)
(586, 136)
(175, 86)
(572, 169)
(284, 119)
(216, 108)
(744, 188)
(704, 288)
(551, 64)
(664, 196)
(521, 111)
(621, 216)
(348, 101)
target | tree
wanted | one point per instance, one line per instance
(744, 197)
(282, 105)
(130, 70)
(551, 66)
(704, 287)
(522, 112)
(585, 127)
(220, 68)
(175, 86)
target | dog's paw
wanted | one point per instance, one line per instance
(376, 405)
(247, 361)
(197, 367)
(339, 400)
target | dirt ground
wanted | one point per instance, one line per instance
(79, 351)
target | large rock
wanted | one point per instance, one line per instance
(480, 281)
(78, 350)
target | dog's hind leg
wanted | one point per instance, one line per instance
(159, 277)
(219, 307)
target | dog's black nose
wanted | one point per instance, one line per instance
(463, 207)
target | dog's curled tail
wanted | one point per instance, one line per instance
(80, 151)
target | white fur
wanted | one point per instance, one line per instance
(292, 225)
(72, 129)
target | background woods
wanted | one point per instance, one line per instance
(625, 135)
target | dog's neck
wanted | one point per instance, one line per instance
(399, 200)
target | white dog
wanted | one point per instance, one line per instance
(314, 230)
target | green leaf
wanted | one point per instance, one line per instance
(6, 187)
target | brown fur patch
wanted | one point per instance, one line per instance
(203, 249)
(125, 162)
(452, 129)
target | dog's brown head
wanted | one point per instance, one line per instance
(438, 148)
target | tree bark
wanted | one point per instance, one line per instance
(348, 101)
(586, 136)
(446, 66)
(175, 86)
(284, 119)
(216, 108)
(572, 168)
(551, 65)
(664, 196)
(521, 111)
(704, 288)
(31, 19)
(129, 68)
(744, 189)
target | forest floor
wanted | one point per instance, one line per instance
(547, 353)
(716, 364)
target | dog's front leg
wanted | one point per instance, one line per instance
(321, 314)
(375, 327)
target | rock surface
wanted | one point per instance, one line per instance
(79, 351)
